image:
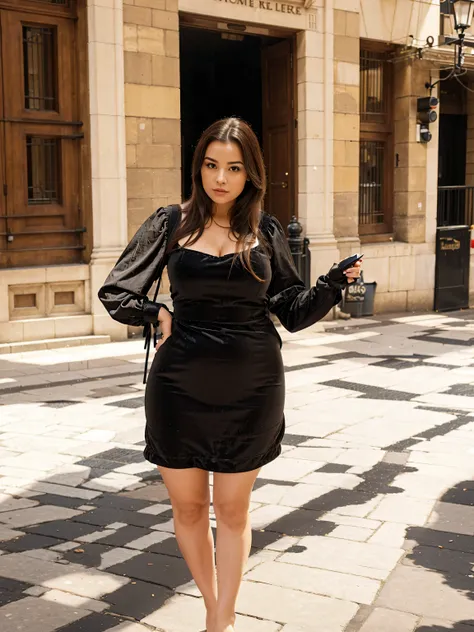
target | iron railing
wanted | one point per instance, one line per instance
(456, 206)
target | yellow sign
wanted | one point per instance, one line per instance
(266, 5)
(448, 243)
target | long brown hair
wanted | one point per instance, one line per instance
(245, 213)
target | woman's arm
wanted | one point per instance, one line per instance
(124, 293)
(295, 306)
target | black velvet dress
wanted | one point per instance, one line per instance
(216, 390)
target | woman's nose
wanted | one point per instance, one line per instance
(221, 176)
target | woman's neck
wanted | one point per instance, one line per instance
(221, 212)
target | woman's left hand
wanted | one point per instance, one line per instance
(353, 273)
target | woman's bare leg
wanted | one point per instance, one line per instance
(234, 536)
(190, 499)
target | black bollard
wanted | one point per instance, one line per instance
(299, 247)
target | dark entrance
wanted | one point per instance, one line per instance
(251, 77)
(455, 204)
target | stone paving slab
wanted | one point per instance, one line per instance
(363, 524)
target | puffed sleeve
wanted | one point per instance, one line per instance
(124, 293)
(295, 306)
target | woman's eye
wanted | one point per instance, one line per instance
(210, 165)
(235, 169)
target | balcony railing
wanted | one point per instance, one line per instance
(456, 206)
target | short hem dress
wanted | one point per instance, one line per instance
(215, 394)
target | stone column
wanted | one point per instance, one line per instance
(409, 219)
(109, 196)
(315, 141)
(346, 130)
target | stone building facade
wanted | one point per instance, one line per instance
(339, 84)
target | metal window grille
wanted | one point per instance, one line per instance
(373, 100)
(43, 169)
(39, 55)
(371, 182)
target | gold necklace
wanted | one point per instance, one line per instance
(225, 227)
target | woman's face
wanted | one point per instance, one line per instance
(223, 172)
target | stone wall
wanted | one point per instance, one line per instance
(152, 107)
(346, 129)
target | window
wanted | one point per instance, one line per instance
(375, 194)
(43, 170)
(39, 67)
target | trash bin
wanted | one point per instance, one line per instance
(359, 298)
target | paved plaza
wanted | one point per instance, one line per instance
(364, 524)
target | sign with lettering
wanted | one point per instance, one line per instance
(266, 5)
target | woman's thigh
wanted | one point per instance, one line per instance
(186, 486)
(231, 492)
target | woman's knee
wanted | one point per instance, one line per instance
(190, 513)
(234, 515)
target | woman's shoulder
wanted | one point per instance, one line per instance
(269, 224)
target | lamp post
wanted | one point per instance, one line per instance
(463, 12)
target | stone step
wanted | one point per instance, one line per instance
(52, 343)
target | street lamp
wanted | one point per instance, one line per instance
(463, 11)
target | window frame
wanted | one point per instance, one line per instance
(380, 132)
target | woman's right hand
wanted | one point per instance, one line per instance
(165, 321)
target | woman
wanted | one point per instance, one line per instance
(215, 395)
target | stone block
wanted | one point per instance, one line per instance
(346, 126)
(167, 20)
(409, 203)
(167, 182)
(153, 4)
(152, 101)
(390, 302)
(155, 156)
(425, 593)
(310, 44)
(353, 20)
(166, 132)
(424, 272)
(389, 621)
(401, 274)
(139, 183)
(339, 22)
(420, 300)
(346, 214)
(165, 71)
(347, 49)
(31, 613)
(172, 5)
(314, 580)
(311, 125)
(151, 40)
(130, 37)
(346, 73)
(346, 99)
(137, 67)
(346, 179)
(172, 44)
(131, 130)
(311, 96)
(410, 229)
(310, 69)
(404, 131)
(131, 156)
(137, 15)
(377, 269)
